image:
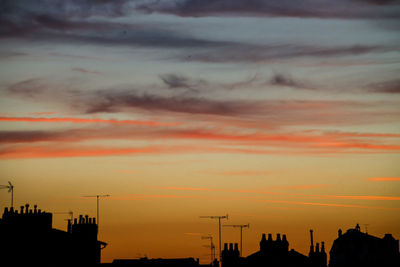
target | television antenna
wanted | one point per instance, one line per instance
(98, 198)
(211, 246)
(219, 227)
(70, 213)
(241, 226)
(10, 188)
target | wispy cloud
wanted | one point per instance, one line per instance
(85, 71)
(120, 171)
(342, 9)
(388, 87)
(134, 197)
(244, 191)
(280, 79)
(86, 120)
(384, 179)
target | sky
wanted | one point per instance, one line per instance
(282, 114)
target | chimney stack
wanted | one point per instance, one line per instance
(269, 237)
(312, 242)
(278, 237)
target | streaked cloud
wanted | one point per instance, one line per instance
(342, 9)
(85, 120)
(384, 179)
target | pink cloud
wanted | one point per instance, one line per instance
(84, 120)
(384, 179)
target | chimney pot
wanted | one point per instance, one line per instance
(269, 237)
(35, 208)
(22, 209)
(26, 208)
(278, 237)
(284, 238)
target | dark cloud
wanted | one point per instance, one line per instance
(27, 88)
(264, 53)
(28, 136)
(280, 79)
(176, 81)
(388, 87)
(112, 101)
(67, 22)
(346, 9)
(86, 71)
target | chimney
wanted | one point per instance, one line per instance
(230, 246)
(225, 246)
(263, 237)
(317, 248)
(312, 242)
(75, 221)
(90, 220)
(22, 209)
(5, 210)
(269, 237)
(278, 237)
(87, 219)
(236, 247)
(26, 208)
(35, 209)
(69, 227)
(94, 220)
(80, 219)
(284, 238)
(339, 232)
(12, 209)
(323, 247)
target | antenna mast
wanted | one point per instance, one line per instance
(212, 255)
(10, 188)
(70, 213)
(241, 226)
(98, 198)
(219, 228)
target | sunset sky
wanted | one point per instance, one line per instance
(282, 114)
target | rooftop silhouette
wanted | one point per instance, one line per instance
(29, 239)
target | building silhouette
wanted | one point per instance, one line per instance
(273, 253)
(27, 238)
(145, 262)
(357, 249)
